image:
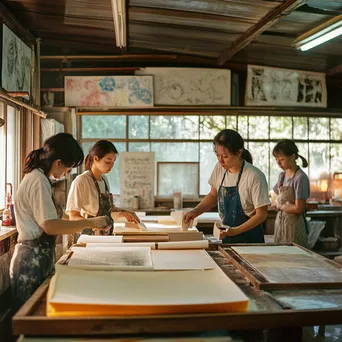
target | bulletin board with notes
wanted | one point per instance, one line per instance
(137, 179)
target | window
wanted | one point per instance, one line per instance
(10, 149)
(188, 138)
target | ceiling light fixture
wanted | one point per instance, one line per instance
(320, 34)
(119, 16)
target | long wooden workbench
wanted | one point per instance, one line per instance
(283, 313)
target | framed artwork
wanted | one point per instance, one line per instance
(16, 62)
(267, 86)
(109, 91)
(190, 86)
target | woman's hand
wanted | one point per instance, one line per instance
(231, 232)
(190, 215)
(100, 222)
(130, 216)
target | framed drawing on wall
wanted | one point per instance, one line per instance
(109, 91)
(190, 86)
(16, 62)
(183, 176)
(268, 86)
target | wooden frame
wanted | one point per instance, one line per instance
(261, 282)
(159, 164)
(210, 111)
(32, 320)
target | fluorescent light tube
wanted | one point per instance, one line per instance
(322, 39)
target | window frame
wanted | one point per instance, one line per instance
(183, 111)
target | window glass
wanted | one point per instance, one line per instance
(174, 127)
(104, 126)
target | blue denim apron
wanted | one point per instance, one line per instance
(232, 214)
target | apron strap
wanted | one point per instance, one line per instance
(239, 177)
(240, 173)
(98, 191)
(282, 178)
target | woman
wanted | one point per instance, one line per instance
(37, 218)
(293, 189)
(239, 188)
(89, 194)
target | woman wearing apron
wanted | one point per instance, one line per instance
(293, 189)
(89, 195)
(240, 190)
(38, 221)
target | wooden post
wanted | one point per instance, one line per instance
(36, 119)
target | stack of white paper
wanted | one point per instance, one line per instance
(75, 292)
(99, 238)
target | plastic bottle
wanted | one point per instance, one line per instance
(6, 217)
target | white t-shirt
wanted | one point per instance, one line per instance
(83, 196)
(253, 189)
(33, 205)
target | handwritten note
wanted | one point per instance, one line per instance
(137, 179)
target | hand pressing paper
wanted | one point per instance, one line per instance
(220, 227)
(141, 226)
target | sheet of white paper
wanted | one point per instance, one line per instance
(200, 244)
(103, 239)
(182, 287)
(152, 245)
(182, 260)
(123, 258)
(269, 250)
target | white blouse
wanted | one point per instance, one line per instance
(83, 196)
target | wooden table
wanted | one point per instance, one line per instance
(285, 311)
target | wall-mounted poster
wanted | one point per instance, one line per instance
(267, 86)
(190, 86)
(16, 62)
(109, 91)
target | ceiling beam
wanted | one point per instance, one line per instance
(7, 17)
(263, 24)
(118, 69)
(111, 57)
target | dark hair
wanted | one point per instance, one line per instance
(233, 141)
(100, 149)
(287, 147)
(61, 146)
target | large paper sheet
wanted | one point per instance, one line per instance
(152, 245)
(103, 239)
(75, 292)
(182, 260)
(269, 250)
(200, 244)
(112, 258)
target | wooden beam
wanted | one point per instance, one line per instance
(18, 93)
(22, 104)
(89, 69)
(7, 17)
(263, 24)
(54, 90)
(111, 57)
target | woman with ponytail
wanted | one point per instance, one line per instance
(89, 195)
(240, 190)
(293, 189)
(37, 217)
